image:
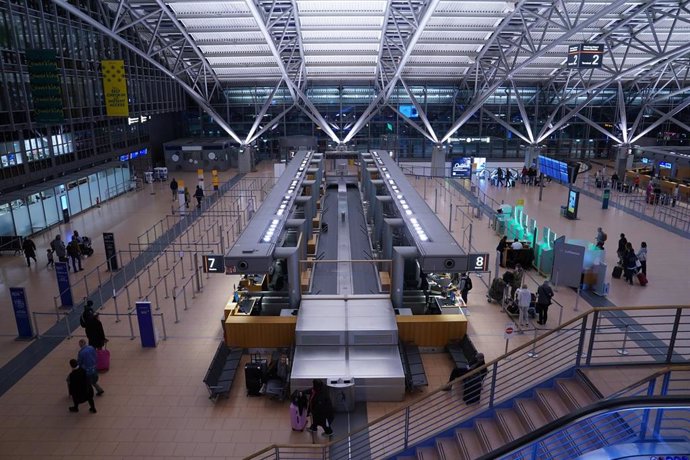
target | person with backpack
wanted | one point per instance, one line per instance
(464, 286)
(199, 195)
(601, 238)
(544, 295)
(629, 263)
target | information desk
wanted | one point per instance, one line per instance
(259, 331)
(431, 330)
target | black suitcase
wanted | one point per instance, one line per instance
(617, 272)
(253, 378)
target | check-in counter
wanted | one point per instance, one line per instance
(248, 331)
(254, 283)
(305, 277)
(431, 330)
(311, 244)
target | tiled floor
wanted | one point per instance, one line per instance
(155, 402)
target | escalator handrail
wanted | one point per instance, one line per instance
(599, 407)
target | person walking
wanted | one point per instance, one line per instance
(642, 257)
(186, 197)
(465, 286)
(199, 195)
(58, 247)
(173, 188)
(79, 387)
(49, 255)
(94, 332)
(29, 248)
(499, 177)
(320, 408)
(544, 295)
(74, 253)
(601, 238)
(523, 297)
(87, 361)
(675, 194)
(622, 242)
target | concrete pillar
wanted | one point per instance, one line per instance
(387, 245)
(531, 154)
(438, 160)
(291, 256)
(624, 160)
(245, 160)
(400, 253)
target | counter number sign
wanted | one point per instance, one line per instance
(585, 56)
(477, 262)
(214, 264)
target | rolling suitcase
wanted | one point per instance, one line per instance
(617, 272)
(298, 418)
(253, 378)
(642, 278)
(102, 360)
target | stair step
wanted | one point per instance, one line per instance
(468, 443)
(552, 403)
(489, 434)
(575, 393)
(511, 424)
(428, 453)
(448, 448)
(531, 413)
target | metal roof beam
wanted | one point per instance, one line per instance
(383, 95)
(198, 98)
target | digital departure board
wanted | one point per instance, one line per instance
(585, 56)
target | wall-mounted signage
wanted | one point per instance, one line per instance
(585, 56)
(213, 263)
(477, 262)
(461, 167)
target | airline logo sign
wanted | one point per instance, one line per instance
(461, 167)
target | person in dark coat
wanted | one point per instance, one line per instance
(29, 248)
(74, 252)
(173, 188)
(95, 332)
(473, 385)
(544, 295)
(87, 314)
(320, 408)
(199, 195)
(622, 242)
(629, 263)
(79, 388)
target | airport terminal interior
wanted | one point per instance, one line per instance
(373, 229)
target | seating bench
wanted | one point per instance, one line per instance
(415, 375)
(221, 372)
(462, 352)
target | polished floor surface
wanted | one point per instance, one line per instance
(155, 404)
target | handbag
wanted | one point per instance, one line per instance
(638, 264)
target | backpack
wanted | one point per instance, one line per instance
(604, 237)
(468, 284)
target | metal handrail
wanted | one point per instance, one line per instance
(578, 343)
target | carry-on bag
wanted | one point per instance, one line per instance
(298, 418)
(617, 272)
(253, 377)
(102, 360)
(642, 278)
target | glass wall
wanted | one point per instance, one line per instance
(44, 209)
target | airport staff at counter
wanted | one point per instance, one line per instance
(517, 252)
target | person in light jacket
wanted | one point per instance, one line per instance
(642, 257)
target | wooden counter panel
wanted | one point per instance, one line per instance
(260, 331)
(431, 330)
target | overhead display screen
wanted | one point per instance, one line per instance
(585, 56)
(410, 111)
(554, 169)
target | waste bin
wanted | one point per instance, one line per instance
(342, 393)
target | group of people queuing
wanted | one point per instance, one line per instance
(198, 193)
(83, 379)
(653, 192)
(528, 176)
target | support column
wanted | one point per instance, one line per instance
(531, 154)
(387, 246)
(400, 253)
(291, 256)
(624, 160)
(245, 160)
(438, 160)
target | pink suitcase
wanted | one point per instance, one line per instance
(299, 420)
(102, 360)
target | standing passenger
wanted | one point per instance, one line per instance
(79, 387)
(524, 299)
(544, 295)
(199, 195)
(173, 189)
(87, 361)
(642, 257)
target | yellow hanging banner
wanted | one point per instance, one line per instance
(115, 88)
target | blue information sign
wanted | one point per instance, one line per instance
(21, 313)
(145, 318)
(64, 287)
